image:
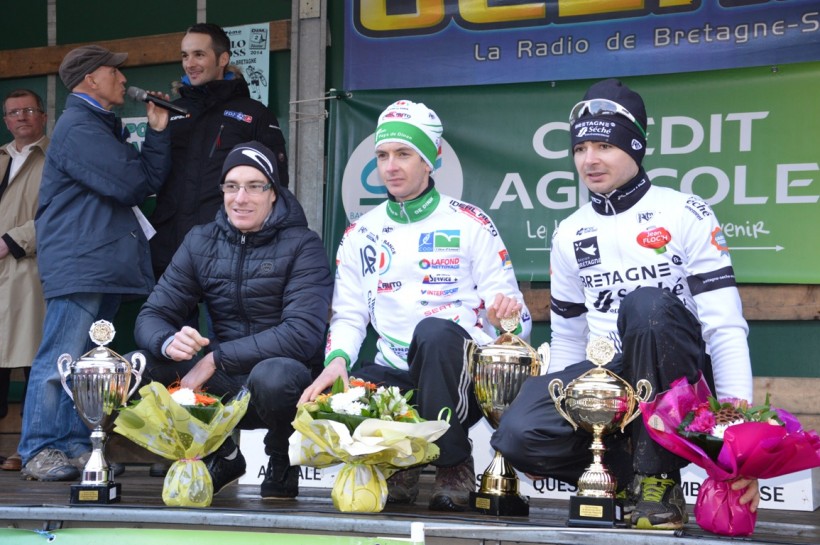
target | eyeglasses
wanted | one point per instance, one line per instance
(602, 106)
(18, 112)
(254, 188)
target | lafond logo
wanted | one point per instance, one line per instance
(362, 189)
(385, 19)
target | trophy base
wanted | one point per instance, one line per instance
(595, 512)
(95, 494)
(506, 505)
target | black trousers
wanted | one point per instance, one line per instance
(439, 376)
(275, 385)
(661, 342)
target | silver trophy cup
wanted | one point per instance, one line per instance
(99, 386)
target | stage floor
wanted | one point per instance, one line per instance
(312, 519)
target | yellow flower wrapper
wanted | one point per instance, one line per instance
(375, 450)
(163, 426)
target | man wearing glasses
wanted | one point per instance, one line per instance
(266, 280)
(21, 166)
(648, 268)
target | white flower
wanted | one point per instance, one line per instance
(720, 429)
(184, 396)
(348, 402)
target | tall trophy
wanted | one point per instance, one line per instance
(498, 371)
(99, 387)
(599, 401)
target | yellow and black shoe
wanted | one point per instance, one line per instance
(661, 504)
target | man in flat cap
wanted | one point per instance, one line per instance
(92, 248)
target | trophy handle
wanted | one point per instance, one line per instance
(137, 368)
(557, 393)
(643, 389)
(64, 367)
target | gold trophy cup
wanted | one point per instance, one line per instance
(99, 387)
(599, 401)
(498, 371)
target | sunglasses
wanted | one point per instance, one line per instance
(602, 106)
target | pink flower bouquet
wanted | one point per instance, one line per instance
(729, 440)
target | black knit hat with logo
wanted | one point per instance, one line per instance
(256, 155)
(615, 129)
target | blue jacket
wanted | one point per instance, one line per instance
(268, 293)
(88, 238)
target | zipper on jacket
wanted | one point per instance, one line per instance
(239, 298)
(404, 211)
(217, 140)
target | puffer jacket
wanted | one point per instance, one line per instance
(268, 293)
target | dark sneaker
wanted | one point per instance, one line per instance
(50, 465)
(451, 491)
(661, 505)
(80, 461)
(281, 479)
(403, 486)
(225, 465)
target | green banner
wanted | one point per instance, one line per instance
(744, 140)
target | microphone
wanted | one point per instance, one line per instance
(135, 93)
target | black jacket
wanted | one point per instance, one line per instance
(268, 293)
(221, 115)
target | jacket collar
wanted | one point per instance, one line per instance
(417, 209)
(623, 198)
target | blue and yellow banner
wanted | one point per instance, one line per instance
(399, 44)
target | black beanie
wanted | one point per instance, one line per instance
(253, 154)
(615, 129)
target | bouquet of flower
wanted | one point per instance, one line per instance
(728, 439)
(183, 426)
(372, 430)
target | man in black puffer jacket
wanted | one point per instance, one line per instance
(265, 279)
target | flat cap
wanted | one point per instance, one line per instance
(84, 60)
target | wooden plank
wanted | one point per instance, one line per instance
(142, 51)
(760, 301)
(796, 395)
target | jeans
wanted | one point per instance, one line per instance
(49, 417)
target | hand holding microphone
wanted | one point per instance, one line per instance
(135, 93)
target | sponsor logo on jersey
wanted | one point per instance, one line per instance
(719, 241)
(698, 208)
(438, 279)
(444, 240)
(368, 259)
(644, 217)
(389, 287)
(655, 238)
(587, 253)
(506, 262)
(439, 293)
(474, 214)
(450, 263)
(440, 308)
(581, 231)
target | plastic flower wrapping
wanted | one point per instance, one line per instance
(729, 439)
(372, 430)
(184, 427)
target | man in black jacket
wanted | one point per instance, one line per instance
(266, 281)
(221, 115)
